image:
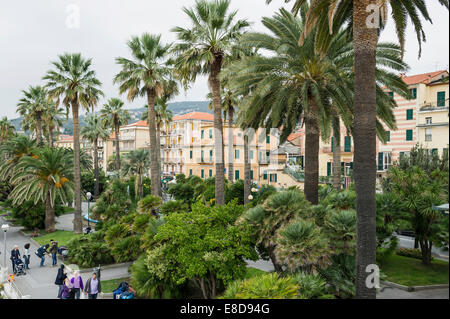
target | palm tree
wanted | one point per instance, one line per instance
(295, 84)
(93, 131)
(33, 106)
(137, 163)
(7, 130)
(147, 74)
(46, 178)
(12, 150)
(358, 17)
(53, 120)
(202, 50)
(114, 115)
(73, 83)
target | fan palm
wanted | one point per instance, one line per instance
(46, 177)
(53, 120)
(114, 115)
(12, 150)
(33, 106)
(93, 131)
(7, 130)
(360, 18)
(296, 84)
(148, 74)
(136, 163)
(201, 51)
(73, 82)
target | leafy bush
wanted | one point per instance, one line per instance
(344, 200)
(32, 216)
(127, 249)
(312, 286)
(410, 252)
(340, 275)
(148, 204)
(89, 251)
(174, 206)
(270, 286)
(263, 193)
(340, 228)
(88, 183)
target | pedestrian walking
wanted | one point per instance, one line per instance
(66, 290)
(53, 251)
(60, 278)
(15, 255)
(41, 253)
(26, 255)
(77, 283)
(93, 287)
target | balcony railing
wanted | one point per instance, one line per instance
(435, 105)
(329, 149)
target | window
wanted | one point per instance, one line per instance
(236, 154)
(413, 92)
(265, 175)
(236, 174)
(409, 135)
(428, 134)
(203, 134)
(203, 156)
(391, 94)
(332, 144)
(441, 99)
(210, 173)
(251, 154)
(267, 156)
(328, 169)
(191, 154)
(348, 144)
(434, 151)
(203, 173)
(268, 139)
(388, 136)
(429, 120)
(409, 114)
(210, 155)
(273, 178)
(384, 161)
(251, 174)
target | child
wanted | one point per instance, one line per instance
(26, 255)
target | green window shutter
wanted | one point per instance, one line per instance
(409, 114)
(409, 135)
(351, 165)
(210, 133)
(434, 151)
(380, 161)
(328, 169)
(191, 154)
(275, 177)
(190, 172)
(265, 175)
(210, 173)
(388, 136)
(342, 168)
(236, 154)
(391, 94)
(203, 173)
(236, 174)
(332, 144)
(441, 99)
(267, 154)
(302, 161)
(203, 134)
(211, 154)
(268, 139)
(251, 174)
(203, 156)
(414, 93)
(348, 144)
(251, 154)
(402, 154)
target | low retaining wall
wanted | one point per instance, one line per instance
(414, 288)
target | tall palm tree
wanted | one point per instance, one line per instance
(46, 178)
(53, 120)
(114, 115)
(358, 18)
(7, 130)
(73, 82)
(33, 106)
(148, 74)
(202, 50)
(12, 150)
(93, 131)
(295, 84)
(136, 164)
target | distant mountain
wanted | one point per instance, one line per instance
(178, 108)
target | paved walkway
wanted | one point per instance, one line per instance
(395, 293)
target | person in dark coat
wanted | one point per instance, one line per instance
(15, 254)
(41, 252)
(60, 278)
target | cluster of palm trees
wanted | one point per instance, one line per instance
(325, 67)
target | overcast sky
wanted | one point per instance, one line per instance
(34, 32)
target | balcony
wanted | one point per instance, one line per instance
(434, 106)
(207, 161)
(328, 150)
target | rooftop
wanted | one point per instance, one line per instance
(425, 78)
(195, 116)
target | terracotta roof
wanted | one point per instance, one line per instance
(195, 116)
(422, 78)
(294, 136)
(140, 123)
(65, 138)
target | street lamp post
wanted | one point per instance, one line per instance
(5, 228)
(89, 197)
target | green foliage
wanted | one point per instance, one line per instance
(88, 184)
(311, 286)
(89, 251)
(127, 249)
(113, 203)
(269, 286)
(263, 193)
(340, 275)
(410, 252)
(340, 227)
(174, 206)
(148, 204)
(32, 216)
(344, 200)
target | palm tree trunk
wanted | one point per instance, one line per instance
(39, 128)
(96, 173)
(140, 187)
(50, 135)
(218, 128)
(77, 224)
(154, 164)
(312, 154)
(49, 216)
(158, 144)
(117, 130)
(336, 152)
(365, 41)
(247, 181)
(230, 145)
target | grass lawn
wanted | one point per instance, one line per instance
(253, 272)
(61, 236)
(109, 285)
(411, 272)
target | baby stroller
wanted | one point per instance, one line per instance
(19, 267)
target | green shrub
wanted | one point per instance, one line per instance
(340, 275)
(270, 286)
(127, 249)
(312, 286)
(174, 206)
(410, 252)
(32, 216)
(89, 251)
